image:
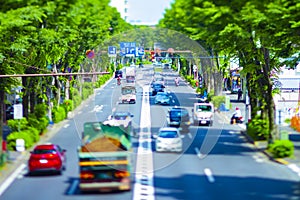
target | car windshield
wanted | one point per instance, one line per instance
(162, 95)
(128, 91)
(120, 116)
(168, 134)
(157, 86)
(44, 151)
(204, 108)
(178, 113)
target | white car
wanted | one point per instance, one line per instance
(168, 139)
(162, 98)
(120, 118)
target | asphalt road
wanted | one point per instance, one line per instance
(217, 162)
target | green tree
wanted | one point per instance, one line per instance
(255, 32)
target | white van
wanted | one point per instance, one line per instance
(203, 114)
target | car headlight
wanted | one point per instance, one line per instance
(176, 141)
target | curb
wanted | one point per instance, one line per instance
(265, 152)
(255, 144)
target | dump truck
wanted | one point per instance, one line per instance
(128, 93)
(105, 157)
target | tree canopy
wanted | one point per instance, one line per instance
(258, 33)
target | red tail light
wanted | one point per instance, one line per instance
(86, 175)
(122, 174)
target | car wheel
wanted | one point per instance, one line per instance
(64, 167)
(59, 172)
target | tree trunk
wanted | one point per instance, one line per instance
(2, 113)
(270, 107)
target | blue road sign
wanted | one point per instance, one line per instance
(140, 51)
(112, 50)
(127, 48)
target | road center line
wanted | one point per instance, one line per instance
(143, 186)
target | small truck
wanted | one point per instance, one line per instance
(128, 93)
(203, 114)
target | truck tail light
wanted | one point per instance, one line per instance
(86, 175)
(122, 174)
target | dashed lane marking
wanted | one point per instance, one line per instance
(73, 187)
(294, 168)
(209, 175)
(258, 158)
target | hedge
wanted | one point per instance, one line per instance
(281, 148)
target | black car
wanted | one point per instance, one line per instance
(118, 73)
(178, 117)
(157, 87)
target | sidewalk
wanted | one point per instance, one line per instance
(15, 158)
(294, 136)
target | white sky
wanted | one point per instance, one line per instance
(147, 12)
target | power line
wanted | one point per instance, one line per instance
(52, 74)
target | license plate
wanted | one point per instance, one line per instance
(203, 122)
(43, 161)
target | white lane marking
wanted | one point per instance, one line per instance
(143, 186)
(257, 158)
(11, 178)
(98, 108)
(66, 126)
(190, 135)
(294, 168)
(73, 187)
(209, 175)
(200, 155)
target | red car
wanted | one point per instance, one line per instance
(47, 158)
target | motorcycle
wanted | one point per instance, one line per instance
(119, 81)
(236, 119)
